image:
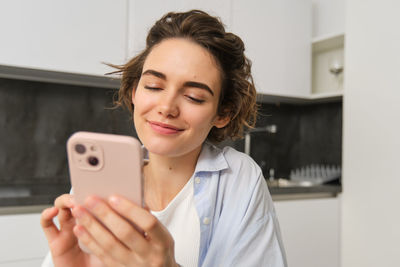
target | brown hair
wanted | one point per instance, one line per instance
(238, 95)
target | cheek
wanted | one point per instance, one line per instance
(142, 103)
(201, 119)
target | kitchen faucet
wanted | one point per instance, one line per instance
(247, 137)
(247, 144)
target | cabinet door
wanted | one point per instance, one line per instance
(328, 18)
(310, 231)
(22, 240)
(143, 15)
(64, 35)
(277, 35)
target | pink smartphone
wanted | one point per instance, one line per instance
(105, 164)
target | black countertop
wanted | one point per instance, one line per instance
(34, 195)
(332, 189)
(31, 194)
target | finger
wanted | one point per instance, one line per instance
(87, 239)
(64, 203)
(46, 221)
(142, 218)
(119, 226)
(100, 235)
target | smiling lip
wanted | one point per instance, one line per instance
(163, 128)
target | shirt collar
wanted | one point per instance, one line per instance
(211, 159)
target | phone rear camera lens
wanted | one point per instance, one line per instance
(80, 148)
(93, 161)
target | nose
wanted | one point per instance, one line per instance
(168, 106)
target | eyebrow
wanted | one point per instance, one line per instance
(186, 84)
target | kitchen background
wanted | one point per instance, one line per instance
(327, 77)
(37, 118)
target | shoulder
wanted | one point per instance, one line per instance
(243, 189)
(234, 156)
(241, 164)
(235, 169)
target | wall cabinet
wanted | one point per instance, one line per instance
(77, 36)
(67, 35)
(277, 35)
(328, 17)
(310, 231)
(143, 15)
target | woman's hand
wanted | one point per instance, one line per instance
(62, 242)
(118, 231)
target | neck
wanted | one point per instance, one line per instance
(166, 176)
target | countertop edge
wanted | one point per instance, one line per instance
(16, 210)
(277, 194)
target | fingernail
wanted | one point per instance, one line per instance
(114, 200)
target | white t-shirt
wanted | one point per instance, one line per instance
(181, 219)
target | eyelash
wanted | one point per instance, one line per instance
(152, 88)
(198, 101)
(195, 100)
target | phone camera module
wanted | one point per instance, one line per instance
(81, 149)
(94, 161)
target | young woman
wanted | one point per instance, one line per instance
(190, 87)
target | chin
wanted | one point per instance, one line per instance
(169, 149)
(161, 148)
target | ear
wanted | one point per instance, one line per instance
(221, 122)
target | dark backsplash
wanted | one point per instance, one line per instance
(37, 118)
(306, 134)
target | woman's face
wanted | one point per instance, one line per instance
(176, 99)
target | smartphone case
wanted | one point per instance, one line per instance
(118, 169)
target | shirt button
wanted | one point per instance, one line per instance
(206, 220)
(197, 180)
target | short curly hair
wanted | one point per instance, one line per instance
(237, 99)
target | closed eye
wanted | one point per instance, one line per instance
(153, 88)
(196, 100)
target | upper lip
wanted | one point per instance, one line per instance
(166, 125)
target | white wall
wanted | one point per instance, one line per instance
(371, 137)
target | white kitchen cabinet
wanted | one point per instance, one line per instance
(23, 263)
(65, 35)
(310, 231)
(22, 240)
(143, 15)
(277, 35)
(328, 18)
